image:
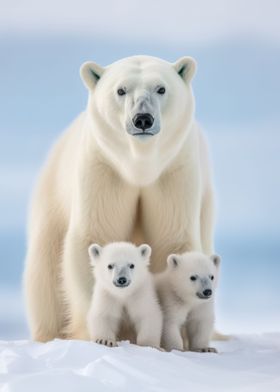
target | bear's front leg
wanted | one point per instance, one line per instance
(200, 327)
(171, 215)
(149, 332)
(77, 284)
(146, 316)
(171, 336)
(103, 319)
(103, 330)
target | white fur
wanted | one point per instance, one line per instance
(110, 303)
(101, 184)
(180, 303)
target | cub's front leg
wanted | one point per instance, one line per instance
(200, 326)
(171, 336)
(146, 316)
(103, 318)
(174, 317)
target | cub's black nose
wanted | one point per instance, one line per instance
(122, 281)
(143, 121)
(207, 292)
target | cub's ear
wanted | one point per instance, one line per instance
(91, 73)
(94, 252)
(185, 68)
(145, 252)
(173, 260)
(216, 260)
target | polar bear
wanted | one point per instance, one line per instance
(186, 291)
(123, 287)
(133, 167)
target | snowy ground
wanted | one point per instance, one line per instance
(245, 364)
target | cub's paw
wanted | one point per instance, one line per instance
(206, 350)
(160, 349)
(106, 342)
(157, 348)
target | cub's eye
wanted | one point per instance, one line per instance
(131, 266)
(193, 278)
(212, 277)
(121, 91)
(110, 266)
(161, 90)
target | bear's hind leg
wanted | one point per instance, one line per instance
(41, 285)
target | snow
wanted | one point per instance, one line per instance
(245, 363)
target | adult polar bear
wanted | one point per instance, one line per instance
(133, 167)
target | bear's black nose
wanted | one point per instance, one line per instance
(207, 292)
(143, 121)
(122, 281)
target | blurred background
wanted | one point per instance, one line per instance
(237, 90)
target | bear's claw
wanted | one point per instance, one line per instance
(206, 350)
(106, 342)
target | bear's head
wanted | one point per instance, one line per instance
(193, 275)
(140, 110)
(120, 267)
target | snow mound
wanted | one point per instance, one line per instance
(244, 364)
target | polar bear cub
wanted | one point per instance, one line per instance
(186, 291)
(124, 288)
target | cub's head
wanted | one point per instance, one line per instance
(193, 274)
(120, 267)
(140, 107)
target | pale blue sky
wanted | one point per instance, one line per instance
(176, 21)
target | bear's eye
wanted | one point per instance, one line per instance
(193, 278)
(131, 266)
(161, 90)
(110, 266)
(121, 91)
(212, 277)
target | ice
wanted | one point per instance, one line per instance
(245, 363)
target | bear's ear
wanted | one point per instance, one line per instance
(91, 73)
(173, 260)
(94, 252)
(216, 260)
(145, 251)
(185, 68)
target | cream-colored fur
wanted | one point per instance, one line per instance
(186, 290)
(123, 289)
(102, 183)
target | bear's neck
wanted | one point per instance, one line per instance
(142, 163)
